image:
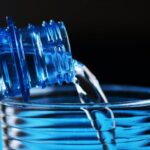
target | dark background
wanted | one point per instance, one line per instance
(112, 37)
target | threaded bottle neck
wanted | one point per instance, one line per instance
(34, 56)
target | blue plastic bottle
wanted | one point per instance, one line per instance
(48, 98)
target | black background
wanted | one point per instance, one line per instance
(112, 37)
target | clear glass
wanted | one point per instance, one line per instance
(64, 126)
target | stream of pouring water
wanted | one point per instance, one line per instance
(102, 119)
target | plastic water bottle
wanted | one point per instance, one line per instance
(49, 100)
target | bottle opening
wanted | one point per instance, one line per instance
(35, 56)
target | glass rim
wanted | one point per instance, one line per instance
(114, 88)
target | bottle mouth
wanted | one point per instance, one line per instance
(46, 46)
(119, 96)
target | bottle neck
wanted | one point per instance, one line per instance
(34, 57)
